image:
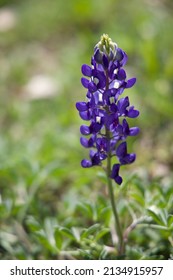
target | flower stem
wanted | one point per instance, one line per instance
(121, 246)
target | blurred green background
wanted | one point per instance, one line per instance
(43, 44)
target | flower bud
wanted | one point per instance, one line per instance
(105, 48)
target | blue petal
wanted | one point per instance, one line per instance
(130, 158)
(113, 108)
(132, 113)
(92, 87)
(121, 74)
(95, 158)
(115, 170)
(123, 103)
(86, 116)
(86, 70)
(105, 62)
(119, 55)
(115, 174)
(98, 56)
(95, 127)
(84, 82)
(125, 125)
(84, 142)
(84, 129)
(118, 180)
(119, 92)
(130, 83)
(81, 106)
(92, 153)
(125, 58)
(86, 163)
(87, 143)
(102, 80)
(119, 129)
(122, 150)
(134, 131)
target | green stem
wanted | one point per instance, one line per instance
(114, 209)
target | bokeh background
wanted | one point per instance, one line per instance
(43, 44)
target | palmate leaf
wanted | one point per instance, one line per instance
(88, 210)
(90, 231)
(161, 218)
(105, 215)
(102, 233)
(42, 238)
(155, 217)
(164, 216)
(139, 198)
(62, 234)
(67, 233)
(32, 224)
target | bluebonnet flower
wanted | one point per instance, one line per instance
(105, 109)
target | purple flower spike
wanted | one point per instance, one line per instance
(105, 80)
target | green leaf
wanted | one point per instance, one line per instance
(2, 211)
(102, 233)
(84, 209)
(134, 253)
(33, 224)
(163, 215)
(44, 241)
(88, 210)
(155, 217)
(58, 239)
(170, 220)
(90, 230)
(105, 214)
(139, 198)
(67, 233)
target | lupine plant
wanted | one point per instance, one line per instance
(107, 112)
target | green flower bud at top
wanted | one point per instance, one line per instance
(107, 47)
